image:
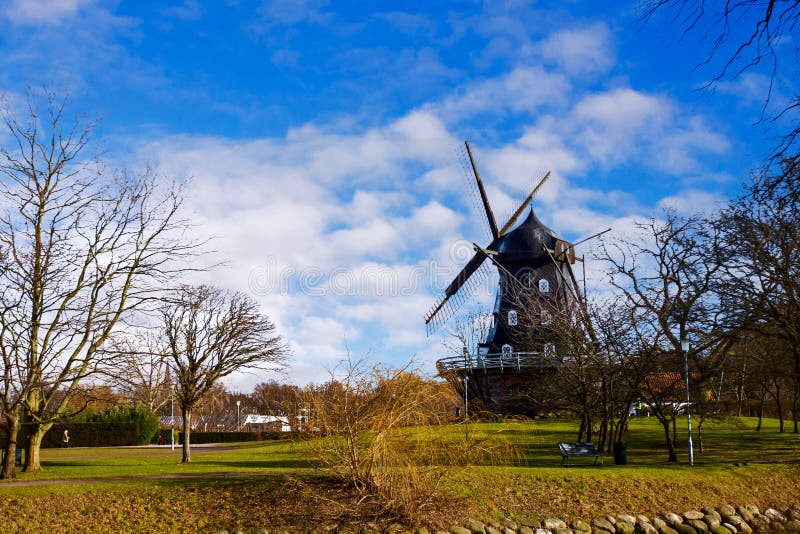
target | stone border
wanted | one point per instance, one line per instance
(726, 519)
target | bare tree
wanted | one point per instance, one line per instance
(746, 34)
(139, 369)
(83, 248)
(210, 333)
(666, 278)
(761, 279)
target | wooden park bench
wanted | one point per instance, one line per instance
(569, 450)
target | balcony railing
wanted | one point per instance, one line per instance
(513, 361)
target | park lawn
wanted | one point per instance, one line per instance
(277, 484)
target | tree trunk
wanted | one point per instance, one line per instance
(34, 445)
(700, 436)
(673, 457)
(186, 412)
(795, 400)
(779, 407)
(9, 465)
(761, 407)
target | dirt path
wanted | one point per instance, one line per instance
(187, 476)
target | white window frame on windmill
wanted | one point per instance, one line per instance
(544, 285)
(547, 318)
(549, 350)
(507, 351)
(512, 317)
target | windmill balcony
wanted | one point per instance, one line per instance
(497, 361)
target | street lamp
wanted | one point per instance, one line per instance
(172, 419)
(238, 426)
(685, 348)
(466, 393)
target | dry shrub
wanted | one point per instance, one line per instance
(374, 431)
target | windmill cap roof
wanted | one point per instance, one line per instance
(528, 239)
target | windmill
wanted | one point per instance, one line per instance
(535, 273)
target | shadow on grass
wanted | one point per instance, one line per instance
(261, 464)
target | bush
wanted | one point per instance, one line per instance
(147, 422)
(358, 417)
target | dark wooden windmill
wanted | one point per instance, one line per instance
(536, 282)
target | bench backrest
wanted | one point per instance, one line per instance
(571, 449)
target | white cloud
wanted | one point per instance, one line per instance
(580, 51)
(43, 11)
(523, 90)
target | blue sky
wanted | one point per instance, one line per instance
(322, 139)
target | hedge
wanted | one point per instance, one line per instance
(84, 435)
(198, 438)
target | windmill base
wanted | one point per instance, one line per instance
(508, 392)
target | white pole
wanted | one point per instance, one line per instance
(172, 419)
(685, 347)
(238, 425)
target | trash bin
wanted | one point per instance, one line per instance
(620, 453)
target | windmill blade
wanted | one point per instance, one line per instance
(456, 294)
(513, 220)
(484, 198)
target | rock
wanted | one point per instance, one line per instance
(760, 524)
(684, 529)
(643, 519)
(794, 512)
(509, 531)
(673, 519)
(396, 527)
(611, 519)
(421, 530)
(667, 530)
(552, 523)
(510, 523)
(562, 531)
(496, 524)
(727, 509)
(698, 525)
(532, 523)
(658, 523)
(744, 527)
(793, 525)
(604, 524)
(623, 527)
(646, 528)
(581, 526)
(525, 530)
(440, 532)
(746, 513)
(626, 518)
(476, 526)
(719, 529)
(775, 516)
(777, 527)
(491, 530)
(693, 514)
(712, 520)
(459, 530)
(542, 531)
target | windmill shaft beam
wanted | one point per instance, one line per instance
(524, 205)
(484, 198)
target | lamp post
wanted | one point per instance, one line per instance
(685, 348)
(172, 419)
(466, 393)
(238, 426)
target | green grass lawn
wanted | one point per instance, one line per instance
(271, 484)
